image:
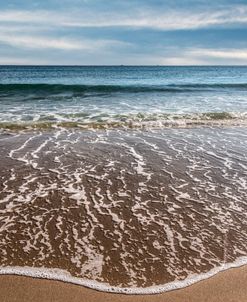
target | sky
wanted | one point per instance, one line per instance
(127, 32)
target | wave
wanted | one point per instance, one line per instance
(61, 275)
(131, 121)
(61, 88)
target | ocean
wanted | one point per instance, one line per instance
(123, 178)
(121, 96)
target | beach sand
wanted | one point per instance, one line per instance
(227, 286)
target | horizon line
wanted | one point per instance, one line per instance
(121, 65)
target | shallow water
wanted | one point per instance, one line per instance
(31, 95)
(125, 208)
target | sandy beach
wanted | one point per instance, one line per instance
(227, 286)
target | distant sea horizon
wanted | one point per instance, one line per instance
(122, 65)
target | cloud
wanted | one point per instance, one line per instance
(238, 54)
(170, 20)
(16, 61)
(40, 42)
(182, 60)
(137, 18)
(203, 56)
(42, 30)
(43, 42)
(25, 16)
(125, 32)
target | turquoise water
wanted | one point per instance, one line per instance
(120, 94)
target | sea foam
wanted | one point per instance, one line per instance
(62, 275)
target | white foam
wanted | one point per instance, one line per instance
(62, 275)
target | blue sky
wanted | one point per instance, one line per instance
(136, 32)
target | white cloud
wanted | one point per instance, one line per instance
(238, 54)
(24, 16)
(169, 20)
(42, 42)
(35, 29)
(181, 60)
(16, 61)
(173, 56)
(204, 56)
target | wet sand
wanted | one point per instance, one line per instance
(227, 286)
(126, 208)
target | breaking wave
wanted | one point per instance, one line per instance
(129, 121)
(61, 88)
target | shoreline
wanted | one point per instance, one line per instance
(227, 286)
(143, 226)
(64, 276)
(128, 125)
